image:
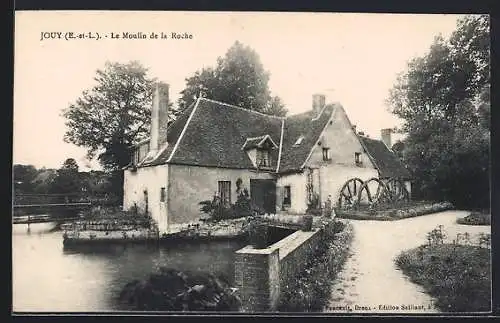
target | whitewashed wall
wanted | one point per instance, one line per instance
(151, 179)
(298, 191)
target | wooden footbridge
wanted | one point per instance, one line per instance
(28, 207)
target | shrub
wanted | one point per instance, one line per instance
(457, 276)
(216, 209)
(311, 290)
(476, 218)
(173, 290)
(313, 205)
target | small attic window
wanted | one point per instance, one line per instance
(299, 141)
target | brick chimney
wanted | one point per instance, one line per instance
(385, 135)
(318, 104)
(159, 118)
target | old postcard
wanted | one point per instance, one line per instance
(251, 162)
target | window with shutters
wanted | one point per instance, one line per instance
(225, 192)
(287, 198)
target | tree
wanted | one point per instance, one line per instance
(42, 184)
(67, 179)
(23, 176)
(239, 78)
(444, 99)
(113, 115)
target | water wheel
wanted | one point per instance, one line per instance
(397, 190)
(373, 192)
(349, 193)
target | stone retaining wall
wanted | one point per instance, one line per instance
(261, 275)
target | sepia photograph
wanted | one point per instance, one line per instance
(189, 162)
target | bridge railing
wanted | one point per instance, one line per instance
(43, 199)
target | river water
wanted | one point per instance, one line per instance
(46, 277)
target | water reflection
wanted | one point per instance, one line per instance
(48, 276)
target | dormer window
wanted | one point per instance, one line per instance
(259, 149)
(262, 159)
(299, 141)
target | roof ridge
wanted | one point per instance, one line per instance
(240, 108)
(196, 104)
(281, 145)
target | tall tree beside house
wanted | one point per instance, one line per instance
(444, 99)
(239, 78)
(112, 115)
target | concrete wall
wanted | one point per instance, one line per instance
(298, 191)
(189, 185)
(151, 179)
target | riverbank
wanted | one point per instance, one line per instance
(88, 277)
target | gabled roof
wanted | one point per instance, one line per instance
(213, 134)
(259, 142)
(310, 128)
(386, 162)
(173, 133)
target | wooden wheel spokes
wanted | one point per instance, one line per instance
(349, 193)
(397, 190)
(373, 191)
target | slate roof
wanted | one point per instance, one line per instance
(259, 142)
(215, 134)
(387, 163)
(294, 156)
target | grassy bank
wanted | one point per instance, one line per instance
(312, 291)
(476, 218)
(457, 276)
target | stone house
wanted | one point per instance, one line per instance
(283, 162)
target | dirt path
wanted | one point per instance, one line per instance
(370, 281)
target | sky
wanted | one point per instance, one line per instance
(352, 58)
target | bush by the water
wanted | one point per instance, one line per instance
(476, 218)
(312, 289)
(217, 210)
(173, 290)
(458, 276)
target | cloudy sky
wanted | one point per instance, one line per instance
(352, 58)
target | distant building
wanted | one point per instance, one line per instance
(282, 161)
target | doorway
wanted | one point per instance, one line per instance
(263, 195)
